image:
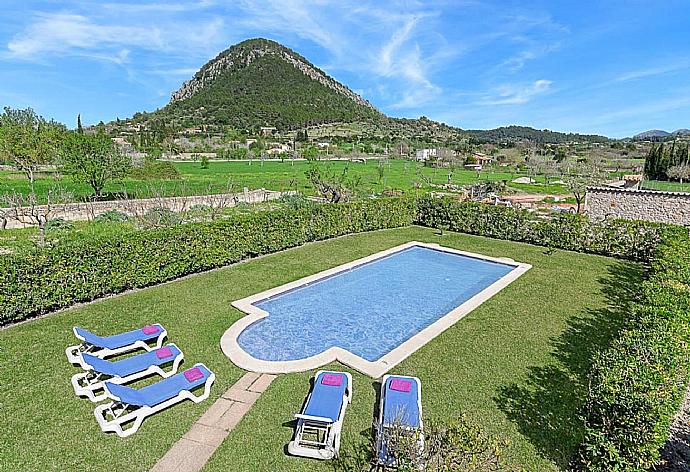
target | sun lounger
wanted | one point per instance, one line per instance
(90, 383)
(130, 405)
(317, 434)
(400, 413)
(117, 344)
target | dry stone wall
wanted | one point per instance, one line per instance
(632, 204)
(135, 207)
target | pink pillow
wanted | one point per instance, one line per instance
(401, 385)
(193, 374)
(334, 380)
(164, 352)
(150, 329)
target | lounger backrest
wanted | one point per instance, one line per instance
(133, 364)
(118, 340)
(326, 401)
(400, 407)
(160, 391)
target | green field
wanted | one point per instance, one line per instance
(274, 175)
(666, 186)
(517, 365)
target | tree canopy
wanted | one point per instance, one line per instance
(93, 159)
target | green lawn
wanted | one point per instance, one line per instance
(398, 174)
(517, 365)
(666, 186)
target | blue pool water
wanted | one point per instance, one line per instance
(370, 309)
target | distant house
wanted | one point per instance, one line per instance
(278, 148)
(482, 158)
(267, 130)
(426, 154)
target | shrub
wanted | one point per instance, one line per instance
(638, 383)
(155, 170)
(159, 217)
(111, 216)
(39, 280)
(58, 224)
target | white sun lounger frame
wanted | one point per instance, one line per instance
(86, 384)
(331, 430)
(74, 352)
(118, 410)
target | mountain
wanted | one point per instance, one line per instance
(513, 132)
(260, 83)
(652, 133)
(257, 83)
(681, 132)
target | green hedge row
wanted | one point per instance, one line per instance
(635, 240)
(638, 383)
(39, 281)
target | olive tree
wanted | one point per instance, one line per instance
(27, 140)
(93, 159)
(680, 172)
(579, 177)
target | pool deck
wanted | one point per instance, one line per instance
(195, 448)
(375, 369)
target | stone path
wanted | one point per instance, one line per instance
(190, 453)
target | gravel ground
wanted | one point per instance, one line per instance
(675, 456)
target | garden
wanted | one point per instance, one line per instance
(582, 362)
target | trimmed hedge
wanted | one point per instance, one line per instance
(39, 281)
(635, 240)
(638, 384)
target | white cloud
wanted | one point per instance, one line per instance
(58, 34)
(517, 94)
(654, 71)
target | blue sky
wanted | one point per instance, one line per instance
(609, 67)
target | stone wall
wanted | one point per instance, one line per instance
(137, 207)
(632, 204)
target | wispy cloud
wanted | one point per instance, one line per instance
(517, 94)
(654, 71)
(55, 34)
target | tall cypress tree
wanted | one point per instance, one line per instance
(650, 163)
(80, 130)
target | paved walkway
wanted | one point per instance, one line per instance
(190, 453)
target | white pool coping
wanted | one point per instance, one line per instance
(231, 348)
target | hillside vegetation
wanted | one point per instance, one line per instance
(261, 83)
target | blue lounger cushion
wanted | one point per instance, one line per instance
(131, 365)
(401, 407)
(158, 392)
(118, 340)
(326, 401)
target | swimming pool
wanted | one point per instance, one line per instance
(369, 314)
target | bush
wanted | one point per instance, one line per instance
(638, 383)
(159, 217)
(39, 280)
(155, 170)
(111, 216)
(58, 224)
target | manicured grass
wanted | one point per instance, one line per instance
(517, 365)
(222, 176)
